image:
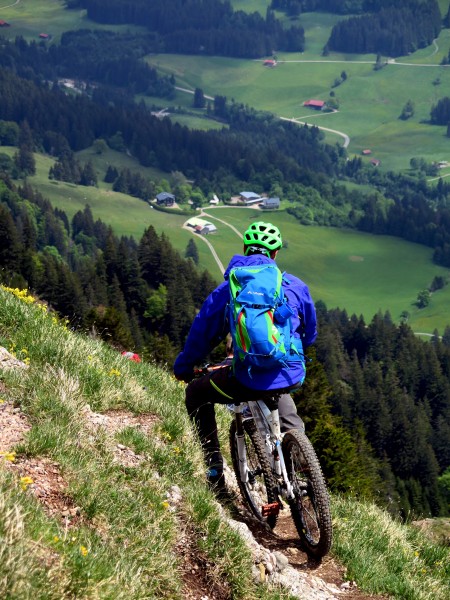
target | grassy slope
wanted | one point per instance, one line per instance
(124, 543)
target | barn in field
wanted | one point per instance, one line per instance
(316, 104)
(201, 226)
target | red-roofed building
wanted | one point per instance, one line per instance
(4, 23)
(317, 104)
(270, 62)
(44, 36)
(367, 152)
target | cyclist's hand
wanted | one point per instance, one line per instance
(186, 377)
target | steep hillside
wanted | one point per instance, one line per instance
(102, 491)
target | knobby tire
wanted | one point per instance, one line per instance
(262, 487)
(311, 507)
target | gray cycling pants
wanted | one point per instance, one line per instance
(221, 387)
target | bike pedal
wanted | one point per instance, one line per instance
(268, 510)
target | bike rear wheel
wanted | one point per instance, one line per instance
(260, 490)
(310, 508)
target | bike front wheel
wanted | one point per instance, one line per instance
(259, 491)
(310, 508)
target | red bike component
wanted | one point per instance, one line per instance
(270, 509)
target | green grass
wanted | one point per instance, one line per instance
(124, 545)
(360, 272)
(370, 102)
(385, 557)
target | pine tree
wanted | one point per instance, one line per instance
(10, 249)
(192, 251)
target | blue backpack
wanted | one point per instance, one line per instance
(260, 318)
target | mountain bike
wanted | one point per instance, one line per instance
(273, 469)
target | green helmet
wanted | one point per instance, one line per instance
(263, 234)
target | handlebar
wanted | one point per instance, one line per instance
(208, 368)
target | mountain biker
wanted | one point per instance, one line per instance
(262, 241)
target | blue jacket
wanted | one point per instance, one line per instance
(210, 327)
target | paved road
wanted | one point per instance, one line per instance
(9, 5)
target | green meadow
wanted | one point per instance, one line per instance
(360, 272)
(370, 101)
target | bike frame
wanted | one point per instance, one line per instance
(268, 424)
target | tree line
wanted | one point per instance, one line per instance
(91, 57)
(395, 30)
(208, 27)
(376, 400)
(136, 295)
(394, 389)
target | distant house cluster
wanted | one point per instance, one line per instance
(201, 226)
(246, 198)
(249, 198)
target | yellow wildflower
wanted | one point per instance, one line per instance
(55, 539)
(114, 372)
(84, 551)
(165, 504)
(25, 482)
(176, 450)
(21, 294)
(9, 456)
(2, 401)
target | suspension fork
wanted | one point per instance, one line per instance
(276, 432)
(240, 442)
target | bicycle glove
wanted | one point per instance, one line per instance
(186, 377)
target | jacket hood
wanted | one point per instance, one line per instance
(239, 260)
